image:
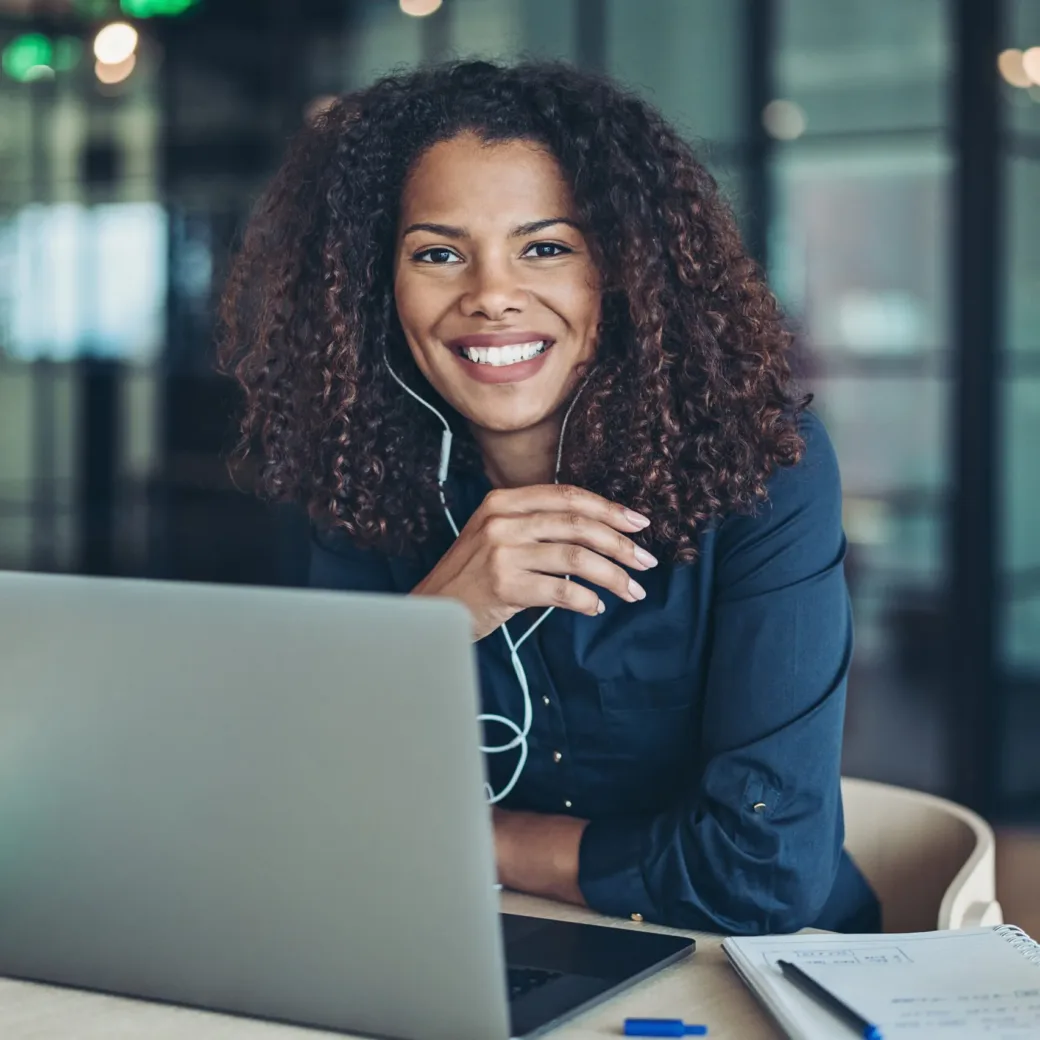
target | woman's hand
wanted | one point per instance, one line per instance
(521, 543)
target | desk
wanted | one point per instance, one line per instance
(701, 988)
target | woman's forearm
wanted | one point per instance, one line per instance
(538, 853)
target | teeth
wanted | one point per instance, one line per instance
(508, 355)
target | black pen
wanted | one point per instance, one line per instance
(810, 986)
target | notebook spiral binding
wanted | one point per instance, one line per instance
(1027, 946)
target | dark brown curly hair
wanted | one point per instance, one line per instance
(688, 407)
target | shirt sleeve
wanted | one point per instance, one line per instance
(755, 845)
(336, 563)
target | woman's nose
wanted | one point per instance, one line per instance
(494, 292)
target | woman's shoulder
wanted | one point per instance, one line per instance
(816, 473)
(803, 500)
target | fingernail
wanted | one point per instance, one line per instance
(637, 518)
(600, 607)
(645, 558)
(636, 590)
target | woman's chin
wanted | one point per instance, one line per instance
(502, 423)
(506, 408)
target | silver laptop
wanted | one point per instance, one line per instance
(269, 802)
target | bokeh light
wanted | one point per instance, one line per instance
(1010, 65)
(784, 120)
(111, 73)
(115, 43)
(25, 55)
(420, 8)
(1031, 64)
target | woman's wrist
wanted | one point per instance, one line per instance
(538, 853)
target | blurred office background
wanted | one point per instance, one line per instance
(883, 157)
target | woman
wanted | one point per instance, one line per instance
(508, 303)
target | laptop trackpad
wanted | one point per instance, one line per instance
(588, 962)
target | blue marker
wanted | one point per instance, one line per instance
(662, 1027)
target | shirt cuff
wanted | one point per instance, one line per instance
(610, 873)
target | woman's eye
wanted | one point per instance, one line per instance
(437, 255)
(546, 249)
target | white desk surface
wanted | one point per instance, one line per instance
(701, 988)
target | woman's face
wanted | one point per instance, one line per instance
(496, 291)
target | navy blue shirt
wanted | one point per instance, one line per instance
(699, 730)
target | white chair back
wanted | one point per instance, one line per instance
(930, 861)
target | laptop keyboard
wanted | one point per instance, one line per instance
(522, 980)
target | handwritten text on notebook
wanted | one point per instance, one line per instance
(982, 984)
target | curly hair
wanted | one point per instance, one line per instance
(688, 406)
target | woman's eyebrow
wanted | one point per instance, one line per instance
(520, 231)
(447, 230)
(540, 225)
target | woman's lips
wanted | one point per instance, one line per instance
(493, 345)
(512, 373)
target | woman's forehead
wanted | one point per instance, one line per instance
(468, 176)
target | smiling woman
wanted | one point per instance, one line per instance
(531, 265)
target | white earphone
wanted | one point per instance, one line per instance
(521, 731)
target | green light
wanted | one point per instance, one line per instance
(67, 53)
(26, 56)
(156, 8)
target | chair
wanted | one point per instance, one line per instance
(930, 861)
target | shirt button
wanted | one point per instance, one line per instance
(546, 701)
(759, 807)
(557, 756)
(638, 918)
(568, 804)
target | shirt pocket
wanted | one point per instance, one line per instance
(649, 735)
(642, 697)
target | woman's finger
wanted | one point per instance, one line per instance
(543, 590)
(575, 560)
(562, 498)
(578, 529)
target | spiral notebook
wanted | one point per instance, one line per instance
(977, 982)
